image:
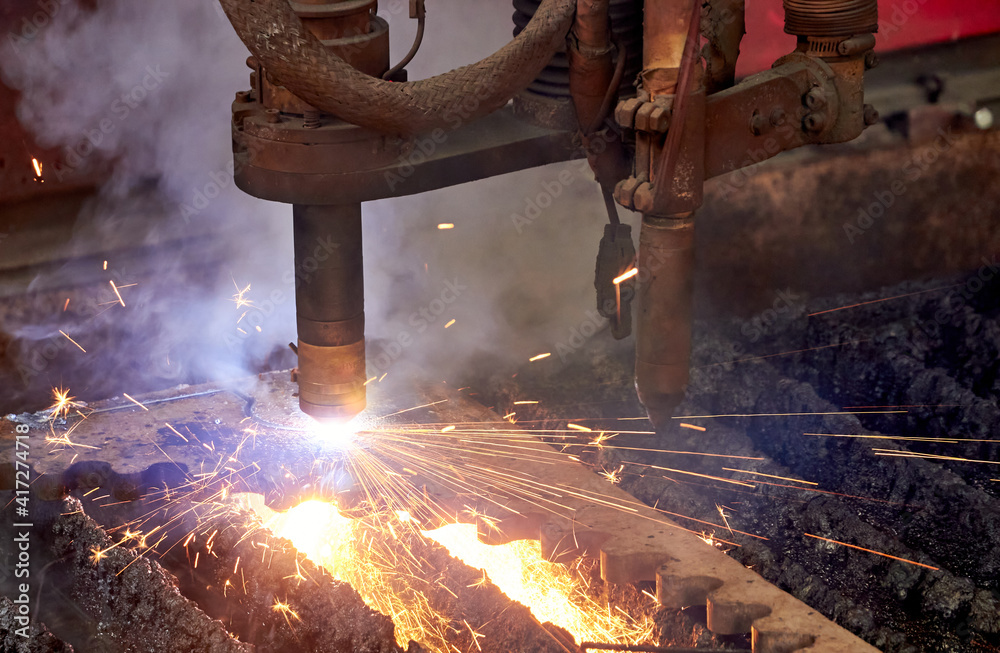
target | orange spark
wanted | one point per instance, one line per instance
(876, 301)
(66, 305)
(625, 276)
(870, 412)
(126, 395)
(780, 478)
(448, 428)
(70, 339)
(115, 288)
(685, 425)
(539, 357)
(614, 476)
(450, 322)
(63, 402)
(369, 380)
(446, 225)
(524, 403)
(878, 553)
(239, 297)
(784, 353)
(577, 427)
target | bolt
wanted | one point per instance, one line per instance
(758, 123)
(625, 112)
(777, 116)
(871, 59)
(643, 198)
(659, 120)
(815, 98)
(311, 119)
(242, 96)
(871, 115)
(273, 115)
(814, 122)
(625, 191)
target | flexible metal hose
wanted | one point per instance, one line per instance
(298, 60)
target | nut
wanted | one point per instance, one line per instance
(814, 122)
(625, 112)
(871, 115)
(273, 115)
(625, 191)
(815, 98)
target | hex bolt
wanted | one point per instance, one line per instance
(758, 123)
(659, 120)
(871, 59)
(815, 98)
(777, 116)
(814, 122)
(273, 115)
(871, 115)
(625, 112)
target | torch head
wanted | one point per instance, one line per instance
(330, 310)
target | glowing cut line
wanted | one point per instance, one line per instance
(878, 553)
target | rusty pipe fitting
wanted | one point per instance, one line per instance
(330, 310)
(663, 320)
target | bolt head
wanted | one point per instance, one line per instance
(777, 116)
(758, 123)
(815, 98)
(814, 122)
(871, 115)
(871, 59)
(659, 120)
(643, 198)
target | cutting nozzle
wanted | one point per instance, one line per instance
(330, 303)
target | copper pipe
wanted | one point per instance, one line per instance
(664, 30)
(663, 324)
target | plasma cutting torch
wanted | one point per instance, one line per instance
(327, 125)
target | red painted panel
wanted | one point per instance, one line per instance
(902, 24)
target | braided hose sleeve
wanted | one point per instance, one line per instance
(296, 59)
